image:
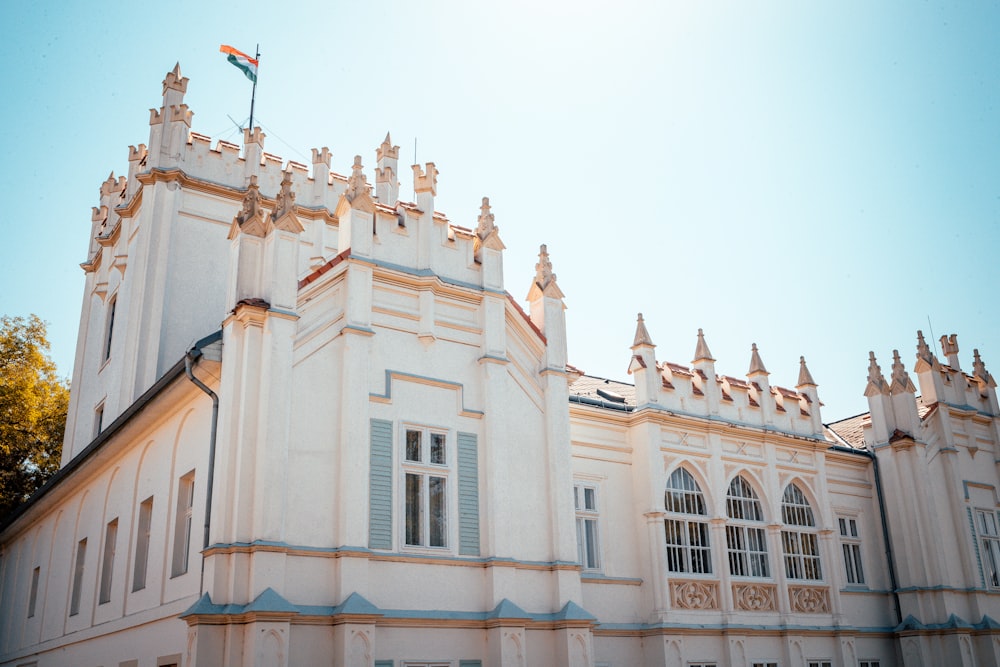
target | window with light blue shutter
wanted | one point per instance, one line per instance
(468, 494)
(470, 663)
(383, 663)
(380, 486)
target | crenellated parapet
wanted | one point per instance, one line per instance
(700, 390)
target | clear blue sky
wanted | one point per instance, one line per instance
(815, 177)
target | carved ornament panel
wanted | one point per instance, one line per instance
(755, 597)
(809, 599)
(694, 594)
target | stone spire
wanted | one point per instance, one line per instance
(979, 370)
(251, 219)
(949, 346)
(487, 233)
(284, 216)
(756, 365)
(928, 370)
(900, 378)
(805, 377)
(357, 184)
(545, 279)
(924, 352)
(641, 334)
(701, 351)
(876, 381)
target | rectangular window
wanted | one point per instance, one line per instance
(989, 546)
(850, 543)
(108, 562)
(747, 551)
(868, 663)
(182, 525)
(765, 664)
(587, 543)
(33, 594)
(142, 544)
(81, 558)
(820, 663)
(702, 664)
(425, 493)
(109, 329)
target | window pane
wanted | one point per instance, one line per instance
(413, 506)
(437, 448)
(589, 501)
(142, 544)
(413, 446)
(590, 526)
(436, 512)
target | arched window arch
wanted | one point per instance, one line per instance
(745, 538)
(798, 536)
(686, 524)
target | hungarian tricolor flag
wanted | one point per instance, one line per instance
(241, 60)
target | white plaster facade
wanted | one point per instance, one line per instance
(261, 347)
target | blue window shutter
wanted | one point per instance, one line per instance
(380, 486)
(468, 495)
(383, 663)
(470, 663)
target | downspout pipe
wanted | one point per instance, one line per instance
(880, 495)
(193, 355)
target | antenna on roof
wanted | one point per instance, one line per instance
(931, 327)
(414, 162)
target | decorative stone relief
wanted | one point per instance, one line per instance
(809, 599)
(755, 597)
(694, 594)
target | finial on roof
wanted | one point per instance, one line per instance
(250, 220)
(900, 378)
(174, 80)
(357, 183)
(486, 226)
(979, 369)
(545, 279)
(701, 352)
(756, 364)
(805, 377)
(876, 381)
(284, 201)
(949, 344)
(641, 334)
(923, 349)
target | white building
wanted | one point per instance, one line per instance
(310, 426)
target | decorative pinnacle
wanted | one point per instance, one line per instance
(876, 381)
(387, 150)
(543, 269)
(900, 379)
(251, 202)
(805, 377)
(174, 80)
(284, 201)
(486, 225)
(641, 334)
(357, 183)
(979, 368)
(756, 365)
(701, 352)
(923, 349)
(949, 345)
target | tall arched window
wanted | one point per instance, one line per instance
(798, 537)
(745, 537)
(688, 547)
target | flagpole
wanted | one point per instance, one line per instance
(253, 95)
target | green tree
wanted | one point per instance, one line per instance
(33, 405)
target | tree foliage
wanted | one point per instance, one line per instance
(33, 405)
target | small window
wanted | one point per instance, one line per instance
(587, 539)
(702, 664)
(81, 558)
(765, 664)
(820, 663)
(686, 525)
(182, 524)
(108, 562)
(989, 546)
(142, 544)
(425, 479)
(850, 544)
(99, 419)
(33, 594)
(109, 328)
(868, 663)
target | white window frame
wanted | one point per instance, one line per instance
(182, 525)
(869, 662)
(109, 328)
(588, 530)
(686, 524)
(799, 536)
(988, 543)
(427, 469)
(33, 592)
(850, 546)
(746, 538)
(79, 563)
(819, 662)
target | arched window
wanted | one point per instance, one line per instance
(745, 539)
(798, 537)
(687, 525)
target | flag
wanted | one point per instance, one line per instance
(241, 60)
